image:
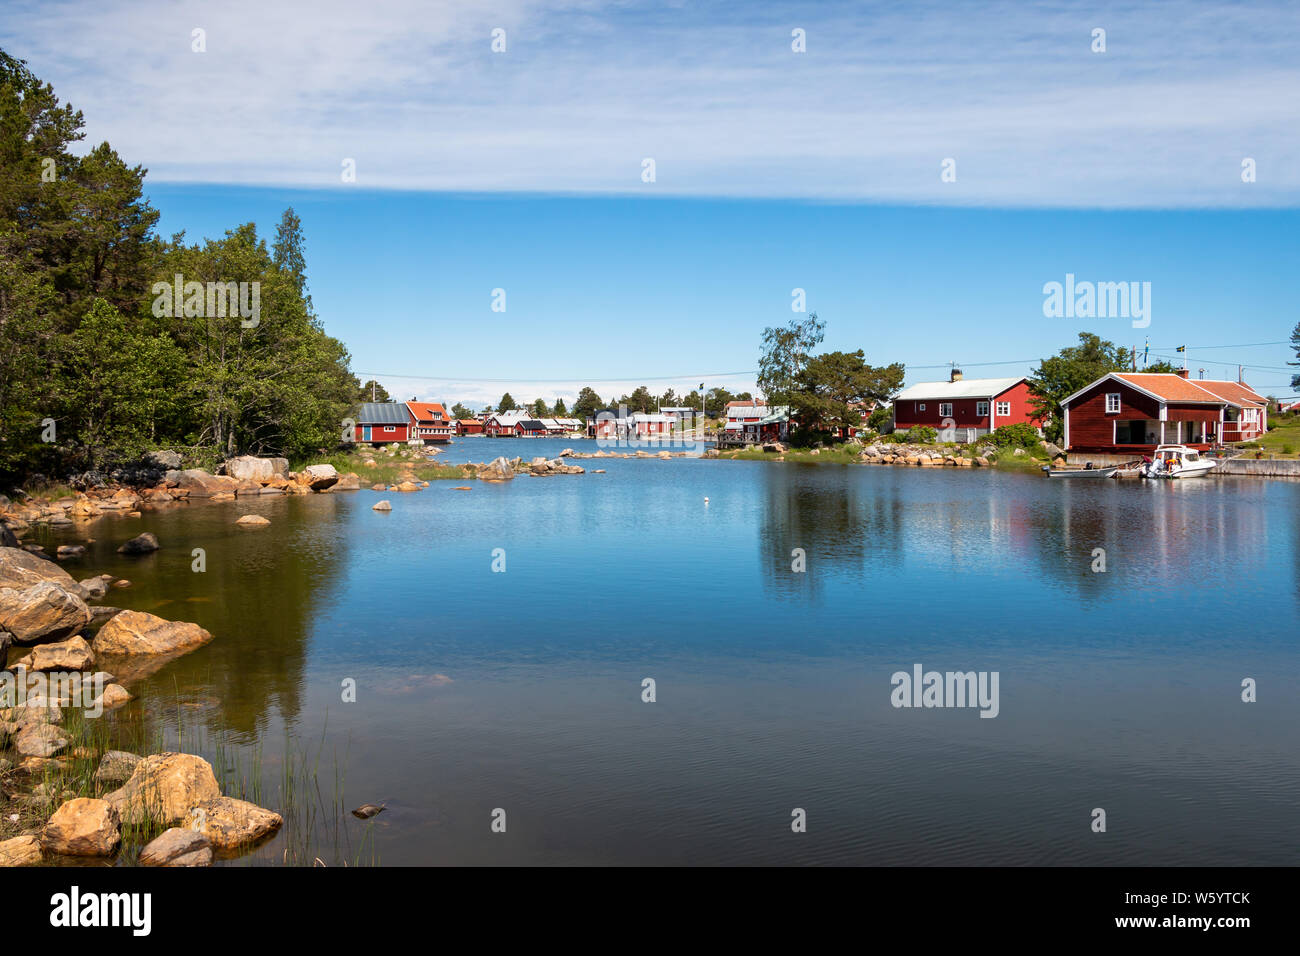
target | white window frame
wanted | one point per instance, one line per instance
(390, 428)
(1004, 409)
(981, 409)
(920, 406)
(948, 413)
(1118, 404)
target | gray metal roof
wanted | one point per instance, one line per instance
(383, 413)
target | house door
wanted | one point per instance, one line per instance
(365, 433)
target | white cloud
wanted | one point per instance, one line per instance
(712, 92)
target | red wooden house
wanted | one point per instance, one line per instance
(430, 422)
(1136, 411)
(469, 426)
(378, 423)
(503, 424)
(964, 409)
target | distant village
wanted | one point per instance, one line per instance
(1122, 412)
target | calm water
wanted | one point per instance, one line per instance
(1118, 690)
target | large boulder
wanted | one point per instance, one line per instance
(74, 654)
(140, 544)
(21, 569)
(320, 477)
(178, 846)
(228, 823)
(42, 612)
(20, 851)
(138, 632)
(199, 484)
(250, 468)
(253, 521)
(83, 827)
(164, 787)
(164, 459)
(349, 482)
(496, 470)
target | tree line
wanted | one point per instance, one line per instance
(99, 359)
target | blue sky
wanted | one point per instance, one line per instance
(774, 170)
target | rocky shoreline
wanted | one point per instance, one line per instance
(65, 793)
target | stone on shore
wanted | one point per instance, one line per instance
(83, 826)
(20, 851)
(164, 787)
(228, 823)
(93, 589)
(178, 846)
(21, 569)
(74, 654)
(114, 695)
(319, 477)
(43, 612)
(197, 483)
(252, 468)
(140, 544)
(138, 632)
(253, 521)
(496, 470)
(116, 766)
(39, 740)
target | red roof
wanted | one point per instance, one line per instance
(1169, 387)
(424, 411)
(1234, 392)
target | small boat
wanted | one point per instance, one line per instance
(1087, 471)
(1177, 461)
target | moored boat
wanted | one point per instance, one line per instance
(1177, 461)
(1087, 471)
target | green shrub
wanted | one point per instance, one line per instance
(1021, 434)
(921, 435)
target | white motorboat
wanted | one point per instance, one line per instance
(1177, 461)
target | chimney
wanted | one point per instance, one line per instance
(1183, 373)
(956, 375)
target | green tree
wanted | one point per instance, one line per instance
(587, 403)
(121, 381)
(507, 404)
(289, 250)
(784, 355)
(372, 391)
(560, 411)
(539, 408)
(1162, 367)
(460, 411)
(1295, 344)
(639, 401)
(1063, 374)
(830, 386)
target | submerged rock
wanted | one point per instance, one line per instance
(178, 846)
(382, 506)
(253, 521)
(140, 544)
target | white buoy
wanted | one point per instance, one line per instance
(706, 499)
